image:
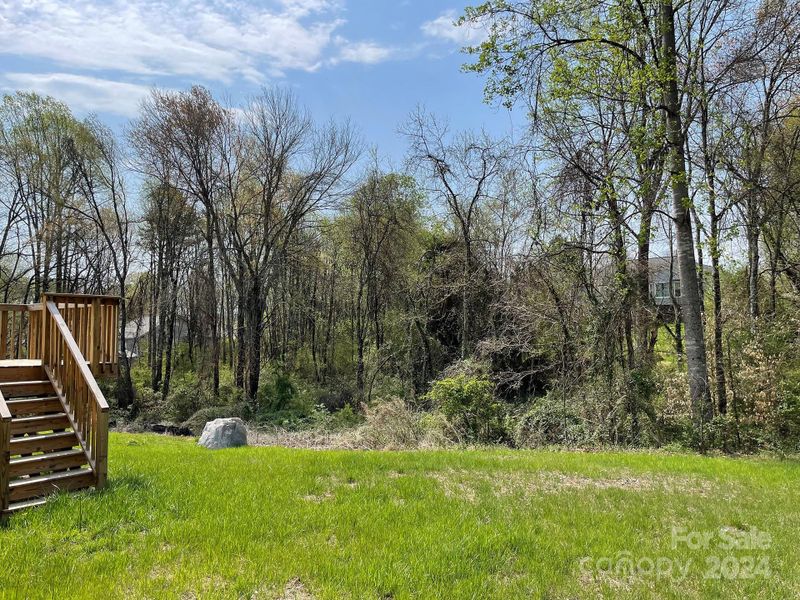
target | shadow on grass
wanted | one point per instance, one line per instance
(132, 482)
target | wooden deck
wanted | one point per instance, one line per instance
(10, 366)
(21, 362)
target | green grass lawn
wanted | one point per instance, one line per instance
(178, 521)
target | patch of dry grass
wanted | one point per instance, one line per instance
(466, 484)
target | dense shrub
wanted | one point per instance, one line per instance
(469, 405)
(187, 395)
(108, 386)
(336, 397)
(285, 402)
(392, 424)
(646, 406)
(551, 420)
(345, 418)
(787, 422)
(150, 406)
(276, 392)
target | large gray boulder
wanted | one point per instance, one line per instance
(224, 433)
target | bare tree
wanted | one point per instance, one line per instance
(279, 170)
(176, 138)
(463, 172)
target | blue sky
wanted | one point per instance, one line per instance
(372, 61)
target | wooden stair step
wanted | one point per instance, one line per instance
(42, 463)
(21, 372)
(35, 406)
(48, 442)
(26, 389)
(15, 506)
(43, 485)
(40, 424)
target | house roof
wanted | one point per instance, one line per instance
(138, 327)
(662, 263)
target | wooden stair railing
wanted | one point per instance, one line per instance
(93, 322)
(76, 386)
(20, 331)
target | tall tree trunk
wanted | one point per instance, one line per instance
(162, 318)
(773, 284)
(714, 251)
(642, 286)
(254, 330)
(465, 329)
(241, 342)
(241, 347)
(719, 364)
(754, 264)
(313, 326)
(330, 324)
(427, 361)
(621, 269)
(229, 331)
(700, 268)
(691, 301)
(213, 309)
(360, 331)
(170, 341)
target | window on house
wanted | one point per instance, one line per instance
(661, 290)
(676, 288)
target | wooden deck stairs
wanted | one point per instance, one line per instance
(53, 416)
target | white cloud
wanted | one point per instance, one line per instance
(84, 94)
(305, 7)
(444, 28)
(211, 40)
(368, 53)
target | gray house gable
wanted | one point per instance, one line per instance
(137, 330)
(660, 281)
(663, 275)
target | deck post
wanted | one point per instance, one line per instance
(4, 334)
(35, 331)
(101, 452)
(45, 333)
(96, 343)
(5, 455)
(33, 345)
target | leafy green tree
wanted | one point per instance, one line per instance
(527, 45)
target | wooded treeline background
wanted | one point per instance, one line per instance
(500, 286)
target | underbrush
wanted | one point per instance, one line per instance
(465, 405)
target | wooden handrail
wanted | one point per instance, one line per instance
(87, 296)
(5, 454)
(72, 346)
(85, 404)
(20, 307)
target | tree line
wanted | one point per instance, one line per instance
(256, 240)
